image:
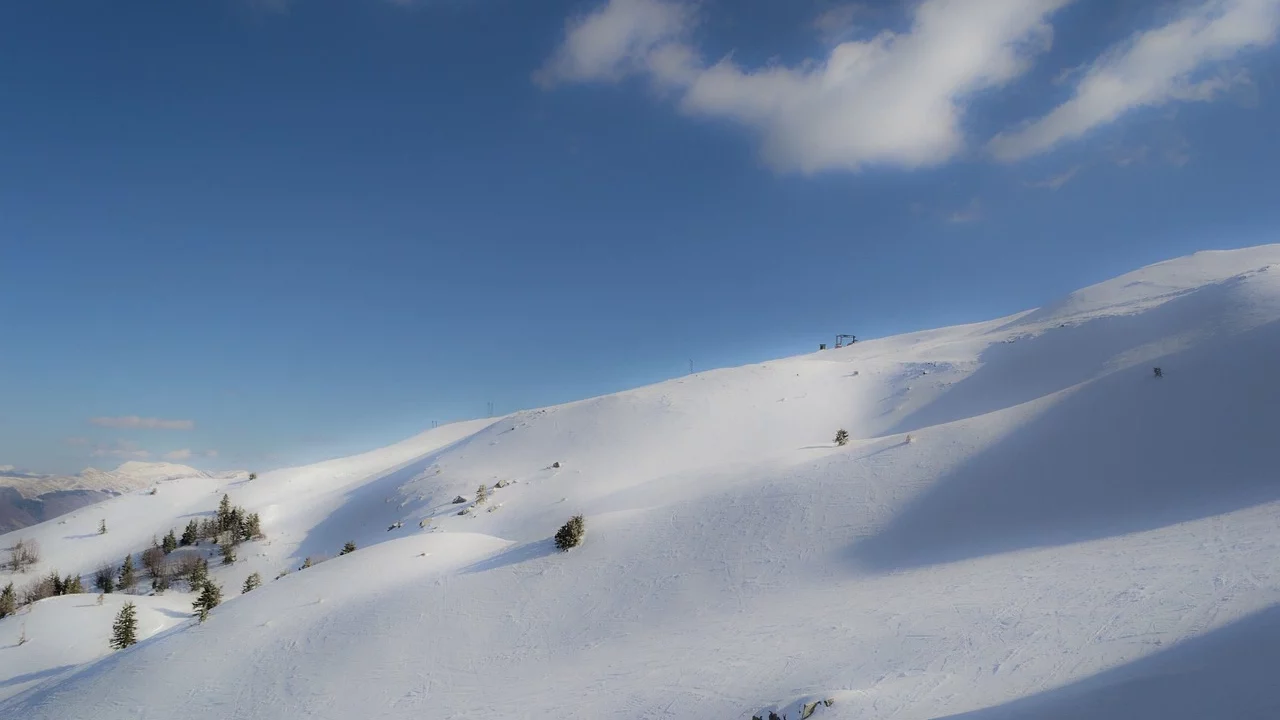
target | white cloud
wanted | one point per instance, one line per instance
(896, 99)
(1055, 182)
(620, 38)
(133, 421)
(121, 449)
(971, 213)
(183, 454)
(1155, 67)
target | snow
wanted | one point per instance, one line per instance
(1065, 536)
(129, 476)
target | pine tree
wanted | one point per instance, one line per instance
(210, 597)
(252, 527)
(347, 549)
(198, 575)
(571, 533)
(306, 563)
(127, 579)
(228, 553)
(102, 527)
(8, 601)
(842, 437)
(190, 535)
(224, 513)
(251, 582)
(124, 631)
(72, 585)
(253, 476)
(482, 494)
(170, 542)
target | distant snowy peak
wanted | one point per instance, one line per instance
(128, 477)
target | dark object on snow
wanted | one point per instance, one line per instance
(395, 526)
(459, 499)
(570, 534)
(556, 464)
(774, 716)
(842, 437)
(1159, 372)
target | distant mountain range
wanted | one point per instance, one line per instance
(28, 498)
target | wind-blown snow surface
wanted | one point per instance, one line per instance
(1064, 536)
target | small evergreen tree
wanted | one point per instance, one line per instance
(104, 579)
(124, 631)
(102, 527)
(228, 553)
(571, 533)
(198, 574)
(347, 549)
(210, 597)
(127, 579)
(224, 513)
(253, 476)
(170, 542)
(251, 582)
(306, 563)
(252, 527)
(208, 529)
(8, 601)
(482, 494)
(190, 535)
(842, 437)
(56, 586)
(72, 585)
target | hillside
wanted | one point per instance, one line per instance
(28, 498)
(1026, 523)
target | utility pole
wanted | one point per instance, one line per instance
(690, 366)
(490, 408)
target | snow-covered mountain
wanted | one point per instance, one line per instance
(28, 498)
(1026, 523)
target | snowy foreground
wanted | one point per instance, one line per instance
(1064, 536)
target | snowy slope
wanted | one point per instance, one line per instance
(1064, 536)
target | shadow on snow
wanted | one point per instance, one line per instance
(1121, 454)
(1227, 673)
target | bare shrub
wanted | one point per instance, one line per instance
(23, 555)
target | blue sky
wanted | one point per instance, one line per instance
(246, 234)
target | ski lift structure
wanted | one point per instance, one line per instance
(841, 341)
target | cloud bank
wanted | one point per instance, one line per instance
(899, 98)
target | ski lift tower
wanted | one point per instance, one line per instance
(842, 340)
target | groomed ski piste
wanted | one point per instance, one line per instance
(1026, 523)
